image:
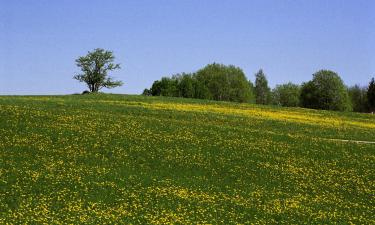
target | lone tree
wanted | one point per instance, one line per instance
(371, 95)
(95, 67)
(262, 90)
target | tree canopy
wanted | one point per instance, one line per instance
(286, 95)
(214, 81)
(358, 97)
(95, 67)
(325, 91)
(221, 82)
(225, 83)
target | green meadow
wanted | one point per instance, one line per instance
(112, 159)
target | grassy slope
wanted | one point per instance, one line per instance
(112, 158)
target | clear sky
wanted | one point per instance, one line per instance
(290, 40)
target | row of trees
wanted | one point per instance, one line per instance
(219, 82)
(228, 83)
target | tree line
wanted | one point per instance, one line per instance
(325, 90)
(220, 82)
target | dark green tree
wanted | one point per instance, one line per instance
(325, 91)
(214, 77)
(358, 97)
(200, 90)
(155, 89)
(165, 87)
(371, 95)
(95, 67)
(309, 97)
(146, 92)
(286, 95)
(262, 90)
(186, 86)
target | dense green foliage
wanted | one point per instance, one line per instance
(165, 87)
(111, 159)
(262, 90)
(146, 92)
(215, 81)
(286, 95)
(228, 83)
(225, 83)
(358, 97)
(325, 91)
(371, 95)
(95, 67)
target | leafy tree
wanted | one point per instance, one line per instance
(262, 91)
(286, 95)
(371, 95)
(225, 83)
(214, 77)
(309, 97)
(358, 97)
(95, 67)
(170, 88)
(200, 90)
(155, 89)
(186, 86)
(325, 91)
(165, 87)
(251, 94)
(215, 81)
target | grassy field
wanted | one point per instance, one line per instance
(129, 159)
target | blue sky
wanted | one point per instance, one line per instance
(290, 40)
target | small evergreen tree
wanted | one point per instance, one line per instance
(262, 91)
(371, 95)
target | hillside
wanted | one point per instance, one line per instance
(132, 159)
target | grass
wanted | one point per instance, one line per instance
(130, 159)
